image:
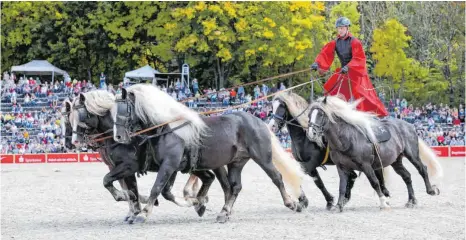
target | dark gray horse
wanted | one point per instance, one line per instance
(214, 142)
(292, 110)
(359, 141)
(123, 160)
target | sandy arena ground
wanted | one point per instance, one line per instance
(39, 202)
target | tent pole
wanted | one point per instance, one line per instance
(53, 75)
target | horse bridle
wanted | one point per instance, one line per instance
(124, 116)
(318, 128)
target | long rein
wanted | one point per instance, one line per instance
(216, 111)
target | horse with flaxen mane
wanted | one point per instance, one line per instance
(90, 114)
(291, 110)
(360, 141)
(214, 142)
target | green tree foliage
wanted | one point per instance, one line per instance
(415, 48)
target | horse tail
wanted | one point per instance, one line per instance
(289, 168)
(429, 158)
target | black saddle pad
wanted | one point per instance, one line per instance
(382, 134)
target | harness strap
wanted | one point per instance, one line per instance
(326, 156)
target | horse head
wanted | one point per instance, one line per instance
(125, 119)
(319, 123)
(81, 120)
(279, 115)
(65, 124)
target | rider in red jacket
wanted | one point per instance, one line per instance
(351, 80)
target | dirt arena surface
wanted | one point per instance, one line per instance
(68, 201)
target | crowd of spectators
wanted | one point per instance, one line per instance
(30, 116)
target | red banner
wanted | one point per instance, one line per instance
(7, 158)
(30, 158)
(441, 151)
(457, 151)
(89, 157)
(62, 157)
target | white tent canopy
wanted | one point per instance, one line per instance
(146, 72)
(38, 67)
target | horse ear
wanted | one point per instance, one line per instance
(82, 98)
(325, 100)
(68, 106)
(124, 93)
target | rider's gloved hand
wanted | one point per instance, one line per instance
(314, 66)
(344, 69)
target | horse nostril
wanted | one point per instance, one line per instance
(118, 137)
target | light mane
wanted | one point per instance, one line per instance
(337, 107)
(296, 105)
(154, 106)
(99, 102)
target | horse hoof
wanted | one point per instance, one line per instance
(435, 190)
(200, 210)
(138, 219)
(410, 205)
(384, 208)
(126, 218)
(330, 207)
(156, 203)
(222, 218)
(304, 202)
(299, 208)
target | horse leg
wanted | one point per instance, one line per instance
(167, 169)
(379, 175)
(276, 177)
(344, 177)
(119, 172)
(207, 178)
(192, 187)
(401, 170)
(414, 158)
(168, 195)
(124, 187)
(318, 181)
(370, 173)
(135, 206)
(222, 177)
(351, 179)
(234, 178)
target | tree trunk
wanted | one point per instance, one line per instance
(89, 74)
(400, 90)
(220, 73)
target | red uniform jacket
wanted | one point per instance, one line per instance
(361, 86)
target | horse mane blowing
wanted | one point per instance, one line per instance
(295, 104)
(154, 106)
(336, 107)
(99, 102)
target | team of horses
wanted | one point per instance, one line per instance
(328, 131)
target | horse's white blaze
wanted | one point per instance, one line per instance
(275, 105)
(314, 115)
(310, 133)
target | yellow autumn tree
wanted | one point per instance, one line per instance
(405, 74)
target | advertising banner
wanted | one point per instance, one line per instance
(62, 157)
(30, 158)
(89, 157)
(441, 151)
(7, 158)
(457, 151)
